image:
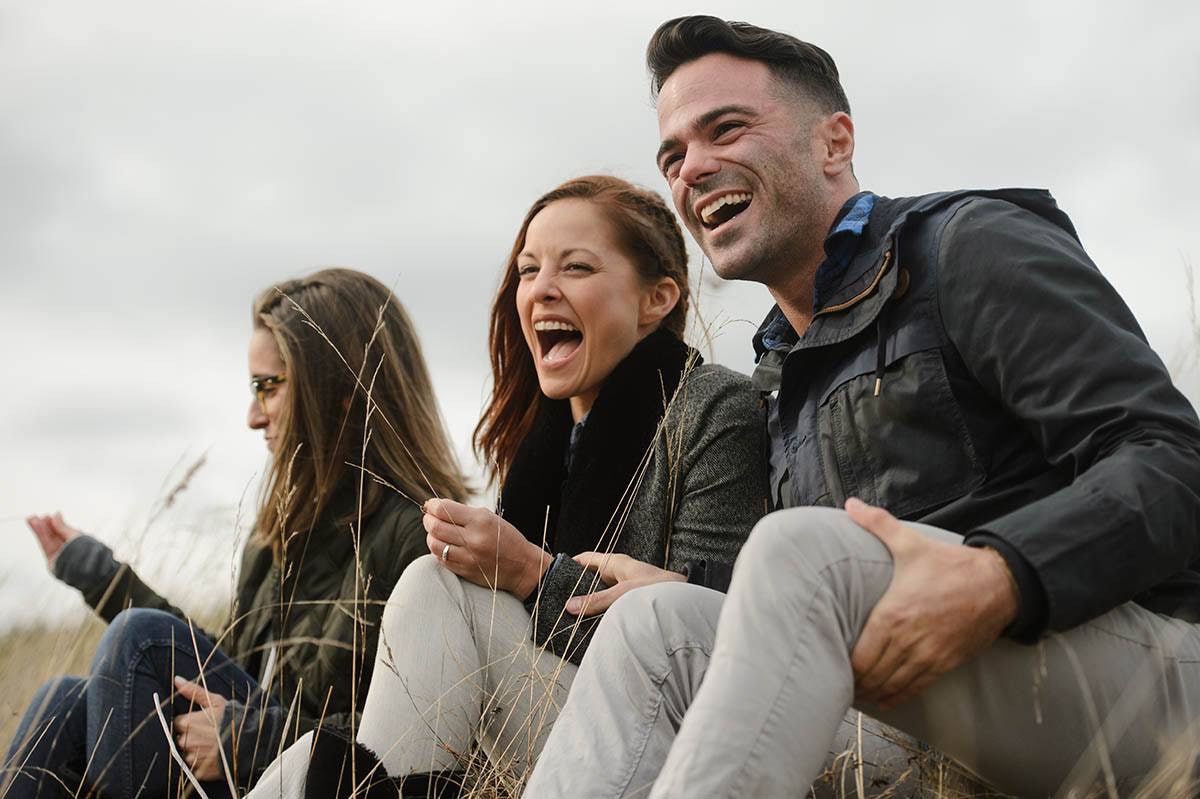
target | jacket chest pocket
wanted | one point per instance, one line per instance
(907, 449)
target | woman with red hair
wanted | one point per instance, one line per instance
(622, 460)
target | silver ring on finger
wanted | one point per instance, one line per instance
(445, 553)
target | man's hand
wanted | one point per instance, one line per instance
(622, 573)
(197, 733)
(484, 548)
(946, 604)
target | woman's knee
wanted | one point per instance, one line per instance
(423, 582)
(659, 617)
(130, 632)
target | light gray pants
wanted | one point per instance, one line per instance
(1092, 706)
(455, 666)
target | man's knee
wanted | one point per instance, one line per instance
(789, 542)
(660, 617)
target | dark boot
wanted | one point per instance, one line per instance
(434, 785)
(329, 769)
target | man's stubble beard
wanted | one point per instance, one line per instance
(771, 253)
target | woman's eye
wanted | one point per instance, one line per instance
(575, 266)
(527, 269)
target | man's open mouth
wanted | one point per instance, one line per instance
(557, 340)
(724, 208)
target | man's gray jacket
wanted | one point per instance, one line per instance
(970, 368)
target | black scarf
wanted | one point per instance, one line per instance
(613, 443)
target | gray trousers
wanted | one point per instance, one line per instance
(686, 692)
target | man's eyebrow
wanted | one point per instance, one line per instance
(703, 121)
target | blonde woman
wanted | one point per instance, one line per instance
(344, 402)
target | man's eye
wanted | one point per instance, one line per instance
(724, 128)
(670, 164)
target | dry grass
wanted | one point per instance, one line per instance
(28, 657)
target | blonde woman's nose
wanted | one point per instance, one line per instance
(255, 418)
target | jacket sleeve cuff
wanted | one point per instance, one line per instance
(1032, 610)
(531, 601)
(709, 574)
(553, 627)
(250, 736)
(85, 563)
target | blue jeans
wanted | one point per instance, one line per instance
(102, 732)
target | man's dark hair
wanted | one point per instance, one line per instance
(803, 66)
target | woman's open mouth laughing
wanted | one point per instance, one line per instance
(557, 341)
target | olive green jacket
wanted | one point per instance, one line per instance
(320, 610)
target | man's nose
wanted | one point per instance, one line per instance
(698, 165)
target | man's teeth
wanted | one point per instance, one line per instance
(729, 199)
(551, 325)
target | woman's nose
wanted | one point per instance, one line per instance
(545, 287)
(255, 418)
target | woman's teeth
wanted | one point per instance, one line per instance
(553, 325)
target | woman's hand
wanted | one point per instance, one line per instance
(197, 734)
(52, 535)
(484, 548)
(622, 573)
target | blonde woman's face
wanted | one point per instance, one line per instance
(265, 361)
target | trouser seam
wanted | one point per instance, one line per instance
(653, 717)
(140, 654)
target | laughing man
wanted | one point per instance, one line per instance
(990, 535)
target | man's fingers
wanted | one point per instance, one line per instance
(870, 647)
(192, 692)
(867, 683)
(896, 684)
(600, 601)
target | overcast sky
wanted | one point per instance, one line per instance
(160, 162)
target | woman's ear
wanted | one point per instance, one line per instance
(658, 300)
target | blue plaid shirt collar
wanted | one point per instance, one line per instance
(841, 245)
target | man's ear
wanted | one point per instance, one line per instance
(838, 133)
(658, 300)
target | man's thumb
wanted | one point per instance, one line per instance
(876, 521)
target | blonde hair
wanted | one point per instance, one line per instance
(358, 393)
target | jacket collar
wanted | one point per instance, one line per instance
(571, 511)
(851, 296)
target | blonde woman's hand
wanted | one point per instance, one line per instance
(52, 535)
(483, 547)
(622, 573)
(198, 734)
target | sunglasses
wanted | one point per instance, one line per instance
(264, 385)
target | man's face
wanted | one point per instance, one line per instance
(740, 157)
